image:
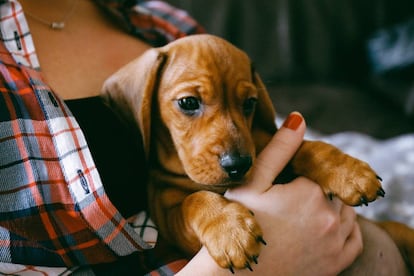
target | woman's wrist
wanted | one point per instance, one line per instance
(203, 264)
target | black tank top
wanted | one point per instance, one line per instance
(117, 152)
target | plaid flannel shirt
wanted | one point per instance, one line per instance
(53, 208)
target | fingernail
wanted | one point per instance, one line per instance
(293, 121)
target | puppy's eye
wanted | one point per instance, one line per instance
(249, 106)
(189, 105)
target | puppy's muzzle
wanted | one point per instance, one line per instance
(235, 165)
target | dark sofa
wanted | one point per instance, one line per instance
(328, 59)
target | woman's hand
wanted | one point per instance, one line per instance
(306, 233)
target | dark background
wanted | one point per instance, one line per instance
(347, 65)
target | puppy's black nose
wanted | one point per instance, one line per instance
(236, 165)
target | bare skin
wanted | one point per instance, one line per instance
(90, 42)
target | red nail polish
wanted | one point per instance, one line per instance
(293, 121)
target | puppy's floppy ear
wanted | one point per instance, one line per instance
(129, 92)
(264, 124)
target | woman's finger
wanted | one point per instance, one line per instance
(275, 156)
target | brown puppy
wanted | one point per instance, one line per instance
(204, 114)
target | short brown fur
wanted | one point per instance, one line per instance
(184, 151)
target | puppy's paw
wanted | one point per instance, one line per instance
(234, 238)
(339, 174)
(352, 180)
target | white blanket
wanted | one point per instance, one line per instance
(393, 160)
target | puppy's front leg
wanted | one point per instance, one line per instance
(227, 229)
(339, 174)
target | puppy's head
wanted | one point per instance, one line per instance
(205, 103)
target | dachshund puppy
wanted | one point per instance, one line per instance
(204, 114)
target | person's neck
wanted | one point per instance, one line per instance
(44, 11)
(65, 55)
(51, 16)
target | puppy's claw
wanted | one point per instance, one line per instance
(254, 258)
(381, 192)
(260, 239)
(379, 178)
(330, 196)
(248, 266)
(364, 200)
(231, 269)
